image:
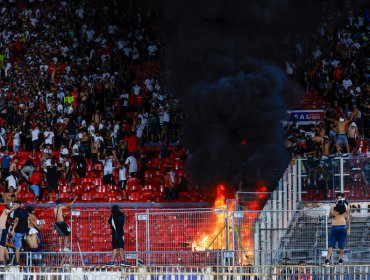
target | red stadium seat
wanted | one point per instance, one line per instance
(87, 196)
(98, 167)
(97, 181)
(178, 165)
(135, 196)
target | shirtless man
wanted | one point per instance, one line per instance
(4, 232)
(14, 166)
(340, 227)
(8, 196)
(60, 225)
(32, 238)
(318, 139)
(326, 146)
(352, 133)
(341, 133)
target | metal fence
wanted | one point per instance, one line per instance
(207, 236)
(190, 230)
(320, 178)
(235, 235)
(194, 273)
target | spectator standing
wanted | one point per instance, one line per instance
(117, 221)
(169, 184)
(27, 170)
(49, 137)
(108, 169)
(67, 171)
(352, 135)
(17, 140)
(4, 227)
(52, 179)
(5, 163)
(35, 139)
(20, 228)
(32, 238)
(340, 230)
(122, 179)
(132, 165)
(341, 138)
(61, 226)
(36, 180)
(11, 181)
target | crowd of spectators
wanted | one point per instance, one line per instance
(80, 84)
(336, 70)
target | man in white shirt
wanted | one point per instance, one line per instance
(49, 137)
(11, 181)
(149, 84)
(17, 140)
(136, 89)
(108, 169)
(122, 179)
(132, 166)
(63, 151)
(152, 50)
(76, 149)
(90, 35)
(35, 139)
(347, 83)
(48, 151)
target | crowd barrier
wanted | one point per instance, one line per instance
(233, 235)
(321, 178)
(191, 273)
(203, 236)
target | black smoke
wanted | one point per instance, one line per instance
(223, 58)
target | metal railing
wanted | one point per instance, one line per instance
(198, 273)
(234, 235)
(202, 236)
(323, 177)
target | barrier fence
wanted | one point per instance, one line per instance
(321, 178)
(194, 273)
(205, 237)
(235, 235)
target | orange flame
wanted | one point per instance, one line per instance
(212, 238)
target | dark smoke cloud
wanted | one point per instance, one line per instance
(221, 58)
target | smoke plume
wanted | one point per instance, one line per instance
(222, 61)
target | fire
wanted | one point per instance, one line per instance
(213, 238)
(243, 235)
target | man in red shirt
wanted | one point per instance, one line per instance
(36, 180)
(132, 143)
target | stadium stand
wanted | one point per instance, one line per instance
(309, 235)
(335, 75)
(92, 74)
(95, 84)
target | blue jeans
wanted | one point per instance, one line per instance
(18, 240)
(338, 234)
(35, 189)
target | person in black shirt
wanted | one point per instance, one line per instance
(117, 221)
(20, 228)
(52, 179)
